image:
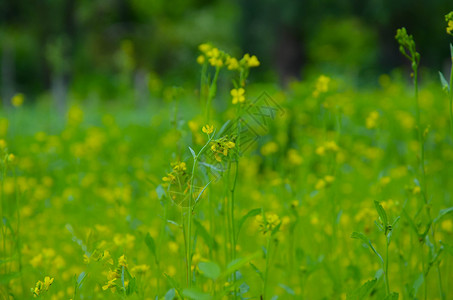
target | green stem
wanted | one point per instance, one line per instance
(387, 269)
(266, 270)
(439, 277)
(189, 229)
(450, 93)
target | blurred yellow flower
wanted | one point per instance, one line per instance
(17, 100)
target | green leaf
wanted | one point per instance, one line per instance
(223, 128)
(451, 51)
(255, 268)
(150, 243)
(193, 152)
(160, 191)
(251, 213)
(202, 191)
(209, 269)
(362, 237)
(196, 294)
(381, 212)
(442, 213)
(81, 278)
(122, 277)
(363, 291)
(210, 241)
(444, 82)
(417, 284)
(240, 262)
(170, 295)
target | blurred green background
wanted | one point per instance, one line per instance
(103, 49)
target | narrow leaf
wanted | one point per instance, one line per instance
(381, 212)
(442, 213)
(363, 291)
(444, 82)
(193, 152)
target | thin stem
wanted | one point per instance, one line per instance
(439, 277)
(387, 269)
(266, 270)
(450, 93)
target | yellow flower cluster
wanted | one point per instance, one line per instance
(222, 146)
(371, 120)
(218, 58)
(112, 276)
(98, 256)
(324, 182)
(42, 287)
(268, 222)
(449, 20)
(179, 169)
(322, 85)
(329, 146)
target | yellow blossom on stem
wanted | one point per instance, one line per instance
(238, 95)
(208, 129)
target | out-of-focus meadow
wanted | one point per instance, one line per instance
(226, 150)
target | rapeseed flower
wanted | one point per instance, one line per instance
(267, 222)
(208, 129)
(238, 95)
(449, 20)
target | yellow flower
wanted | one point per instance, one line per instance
(268, 222)
(222, 146)
(232, 63)
(17, 100)
(450, 27)
(107, 257)
(216, 62)
(169, 178)
(47, 282)
(253, 62)
(11, 157)
(322, 85)
(238, 95)
(329, 178)
(201, 59)
(208, 129)
(140, 269)
(204, 48)
(320, 184)
(179, 166)
(42, 287)
(449, 20)
(122, 261)
(110, 285)
(371, 120)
